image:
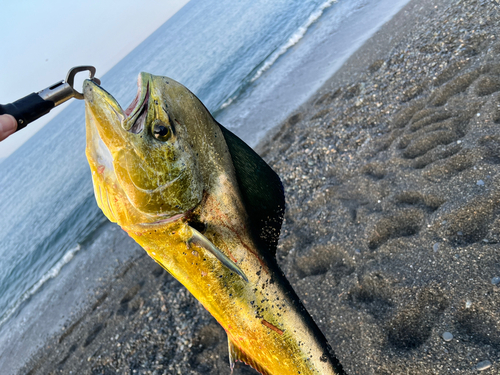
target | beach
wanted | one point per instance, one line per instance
(391, 234)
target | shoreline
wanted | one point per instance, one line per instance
(392, 204)
(305, 67)
(376, 48)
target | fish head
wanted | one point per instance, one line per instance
(144, 160)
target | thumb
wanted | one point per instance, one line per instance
(8, 125)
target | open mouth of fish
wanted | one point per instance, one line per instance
(135, 114)
(133, 118)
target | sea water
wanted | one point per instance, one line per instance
(252, 62)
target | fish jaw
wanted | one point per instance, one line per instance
(145, 179)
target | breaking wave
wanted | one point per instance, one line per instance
(294, 39)
(50, 274)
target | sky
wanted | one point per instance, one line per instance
(42, 40)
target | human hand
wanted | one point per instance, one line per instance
(8, 125)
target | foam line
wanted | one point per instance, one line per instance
(50, 274)
(294, 39)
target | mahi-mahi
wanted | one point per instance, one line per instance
(209, 210)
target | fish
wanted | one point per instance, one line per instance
(209, 210)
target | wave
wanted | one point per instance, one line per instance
(50, 274)
(224, 105)
(294, 39)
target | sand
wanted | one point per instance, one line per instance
(391, 235)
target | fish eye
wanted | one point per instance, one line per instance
(161, 131)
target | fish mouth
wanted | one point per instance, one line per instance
(135, 115)
(112, 128)
(133, 118)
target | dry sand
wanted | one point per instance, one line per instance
(391, 237)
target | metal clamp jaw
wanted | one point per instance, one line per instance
(35, 105)
(64, 90)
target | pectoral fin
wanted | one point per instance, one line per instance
(199, 239)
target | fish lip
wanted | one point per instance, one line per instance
(90, 88)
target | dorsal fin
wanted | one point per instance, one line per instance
(262, 191)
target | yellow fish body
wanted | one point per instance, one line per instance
(209, 210)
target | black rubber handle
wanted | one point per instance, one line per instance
(27, 109)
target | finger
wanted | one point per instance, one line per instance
(8, 125)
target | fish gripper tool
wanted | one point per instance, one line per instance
(37, 104)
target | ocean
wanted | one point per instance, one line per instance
(251, 62)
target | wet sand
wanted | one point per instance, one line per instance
(391, 235)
